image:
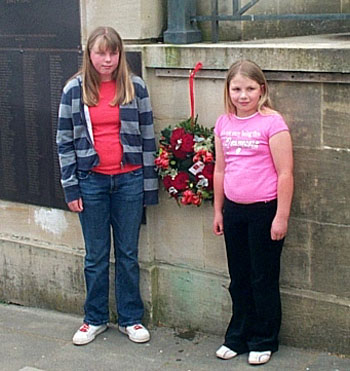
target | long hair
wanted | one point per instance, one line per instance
(106, 38)
(252, 71)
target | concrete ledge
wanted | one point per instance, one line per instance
(321, 53)
(49, 277)
(314, 320)
(52, 277)
(196, 300)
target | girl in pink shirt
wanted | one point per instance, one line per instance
(253, 188)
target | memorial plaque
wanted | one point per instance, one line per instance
(39, 51)
(40, 24)
(31, 84)
(135, 62)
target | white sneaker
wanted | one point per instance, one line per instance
(225, 353)
(136, 333)
(87, 333)
(259, 358)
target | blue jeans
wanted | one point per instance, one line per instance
(117, 201)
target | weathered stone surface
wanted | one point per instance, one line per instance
(184, 276)
(312, 320)
(336, 123)
(42, 277)
(214, 246)
(322, 181)
(194, 300)
(310, 6)
(288, 28)
(321, 54)
(330, 257)
(146, 20)
(33, 223)
(227, 30)
(179, 234)
(53, 278)
(174, 106)
(305, 121)
(345, 6)
(295, 260)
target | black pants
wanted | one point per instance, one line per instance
(254, 267)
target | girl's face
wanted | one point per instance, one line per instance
(104, 61)
(245, 94)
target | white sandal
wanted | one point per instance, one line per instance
(259, 358)
(225, 353)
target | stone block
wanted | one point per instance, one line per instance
(261, 29)
(336, 126)
(37, 276)
(315, 321)
(228, 31)
(34, 223)
(214, 246)
(345, 6)
(287, 28)
(300, 104)
(330, 257)
(310, 6)
(190, 299)
(295, 260)
(53, 278)
(146, 254)
(134, 19)
(179, 234)
(322, 179)
(175, 106)
(306, 55)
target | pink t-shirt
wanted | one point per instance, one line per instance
(250, 174)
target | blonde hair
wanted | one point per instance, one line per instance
(106, 38)
(252, 71)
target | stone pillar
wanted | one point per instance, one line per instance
(135, 20)
(181, 30)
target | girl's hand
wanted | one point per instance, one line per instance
(76, 206)
(218, 225)
(279, 228)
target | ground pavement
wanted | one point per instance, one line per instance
(36, 339)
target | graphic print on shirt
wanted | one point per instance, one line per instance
(237, 141)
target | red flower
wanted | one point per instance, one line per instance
(208, 174)
(181, 142)
(187, 143)
(167, 181)
(162, 161)
(189, 197)
(203, 155)
(180, 182)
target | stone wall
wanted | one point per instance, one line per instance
(183, 265)
(309, 80)
(247, 30)
(135, 20)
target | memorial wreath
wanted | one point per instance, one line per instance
(185, 158)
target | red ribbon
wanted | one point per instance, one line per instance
(198, 67)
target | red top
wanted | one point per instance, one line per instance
(106, 126)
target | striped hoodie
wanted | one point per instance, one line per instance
(75, 142)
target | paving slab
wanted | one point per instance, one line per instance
(40, 340)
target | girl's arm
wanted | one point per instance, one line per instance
(148, 142)
(65, 143)
(282, 155)
(218, 227)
